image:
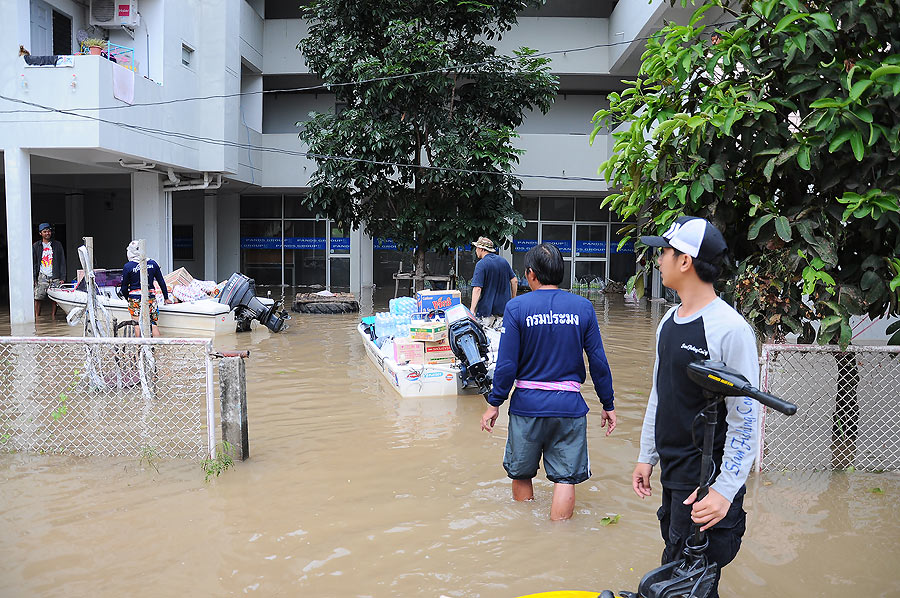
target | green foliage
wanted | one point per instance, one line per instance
(453, 117)
(93, 42)
(610, 519)
(149, 458)
(785, 133)
(223, 461)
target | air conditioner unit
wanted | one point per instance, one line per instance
(112, 14)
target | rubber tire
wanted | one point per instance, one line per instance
(324, 307)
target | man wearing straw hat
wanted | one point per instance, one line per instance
(493, 284)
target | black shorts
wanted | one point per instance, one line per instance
(561, 440)
(724, 537)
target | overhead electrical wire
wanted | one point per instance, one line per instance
(327, 86)
(41, 109)
(313, 155)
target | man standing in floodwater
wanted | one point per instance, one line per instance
(701, 327)
(49, 261)
(544, 335)
(493, 284)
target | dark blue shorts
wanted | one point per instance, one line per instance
(562, 441)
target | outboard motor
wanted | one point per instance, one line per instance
(470, 345)
(239, 294)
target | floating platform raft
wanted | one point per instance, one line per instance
(336, 303)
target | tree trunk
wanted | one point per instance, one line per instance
(845, 419)
(420, 268)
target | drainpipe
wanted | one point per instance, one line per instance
(137, 165)
(205, 183)
(174, 179)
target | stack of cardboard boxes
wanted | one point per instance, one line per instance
(427, 342)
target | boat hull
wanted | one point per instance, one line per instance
(200, 317)
(417, 380)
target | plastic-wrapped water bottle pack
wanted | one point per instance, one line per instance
(403, 306)
(391, 325)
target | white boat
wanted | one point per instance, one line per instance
(208, 316)
(414, 380)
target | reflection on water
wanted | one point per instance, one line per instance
(355, 491)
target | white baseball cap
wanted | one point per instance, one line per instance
(694, 236)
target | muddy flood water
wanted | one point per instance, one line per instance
(354, 491)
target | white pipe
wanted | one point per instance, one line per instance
(197, 184)
(175, 180)
(137, 165)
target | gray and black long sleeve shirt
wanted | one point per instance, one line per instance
(671, 425)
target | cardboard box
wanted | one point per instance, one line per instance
(438, 352)
(429, 300)
(176, 277)
(428, 330)
(409, 351)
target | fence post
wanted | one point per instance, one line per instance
(233, 383)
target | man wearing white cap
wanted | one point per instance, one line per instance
(493, 284)
(701, 327)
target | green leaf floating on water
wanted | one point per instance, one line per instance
(876, 491)
(610, 519)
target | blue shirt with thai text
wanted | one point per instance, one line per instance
(545, 334)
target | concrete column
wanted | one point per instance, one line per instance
(151, 217)
(210, 229)
(228, 235)
(74, 230)
(233, 383)
(361, 261)
(19, 236)
(657, 290)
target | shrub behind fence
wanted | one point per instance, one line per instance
(847, 400)
(107, 396)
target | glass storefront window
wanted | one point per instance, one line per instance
(340, 274)
(558, 208)
(621, 261)
(590, 240)
(522, 242)
(340, 241)
(261, 206)
(294, 208)
(587, 209)
(559, 235)
(527, 206)
(261, 251)
(304, 252)
(586, 272)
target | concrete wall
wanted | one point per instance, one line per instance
(101, 208)
(281, 111)
(187, 209)
(570, 114)
(280, 53)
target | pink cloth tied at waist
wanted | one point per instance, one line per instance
(566, 385)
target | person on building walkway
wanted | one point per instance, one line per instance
(131, 286)
(703, 326)
(545, 334)
(493, 284)
(49, 261)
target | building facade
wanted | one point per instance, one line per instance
(177, 133)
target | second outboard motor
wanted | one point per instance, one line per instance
(239, 294)
(470, 345)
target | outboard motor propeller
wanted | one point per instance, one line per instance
(470, 345)
(239, 294)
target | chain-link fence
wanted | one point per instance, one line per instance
(847, 405)
(107, 396)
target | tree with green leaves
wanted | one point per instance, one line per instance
(780, 124)
(424, 159)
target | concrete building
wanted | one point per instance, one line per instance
(169, 135)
